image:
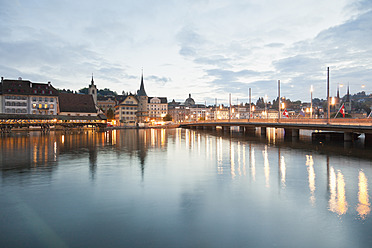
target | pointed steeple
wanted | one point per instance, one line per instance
(142, 91)
(348, 94)
(92, 82)
(338, 92)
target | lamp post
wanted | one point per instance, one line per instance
(311, 102)
(250, 102)
(328, 103)
(278, 99)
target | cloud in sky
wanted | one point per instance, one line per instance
(207, 48)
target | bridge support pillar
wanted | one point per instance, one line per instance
(241, 129)
(348, 136)
(226, 128)
(291, 133)
(263, 131)
(368, 139)
(250, 130)
(295, 133)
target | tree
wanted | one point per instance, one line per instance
(167, 117)
(84, 91)
(110, 114)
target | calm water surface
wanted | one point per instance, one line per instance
(182, 188)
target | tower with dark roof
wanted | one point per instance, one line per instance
(142, 111)
(92, 90)
(348, 100)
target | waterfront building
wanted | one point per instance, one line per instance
(189, 111)
(106, 104)
(142, 109)
(157, 108)
(25, 97)
(221, 113)
(126, 111)
(71, 104)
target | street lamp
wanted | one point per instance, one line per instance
(311, 102)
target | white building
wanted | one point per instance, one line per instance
(157, 108)
(24, 97)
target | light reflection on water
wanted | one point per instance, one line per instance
(181, 188)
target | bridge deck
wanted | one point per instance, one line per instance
(343, 125)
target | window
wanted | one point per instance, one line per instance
(51, 105)
(40, 99)
(34, 105)
(46, 99)
(51, 99)
(34, 99)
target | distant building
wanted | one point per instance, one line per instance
(189, 111)
(24, 97)
(348, 101)
(76, 105)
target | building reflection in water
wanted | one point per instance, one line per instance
(33, 150)
(311, 177)
(266, 166)
(252, 162)
(282, 168)
(364, 207)
(219, 155)
(27, 150)
(337, 200)
(232, 161)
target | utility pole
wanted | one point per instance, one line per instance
(250, 102)
(230, 107)
(328, 103)
(279, 99)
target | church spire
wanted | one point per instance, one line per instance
(142, 91)
(348, 94)
(92, 82)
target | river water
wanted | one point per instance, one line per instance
(182, 188)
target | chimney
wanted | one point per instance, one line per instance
(2, 79)
(49, 83)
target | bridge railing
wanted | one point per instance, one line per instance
(348, 121)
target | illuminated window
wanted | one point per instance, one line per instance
(34, 105)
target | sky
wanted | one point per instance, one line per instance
(208, 49)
